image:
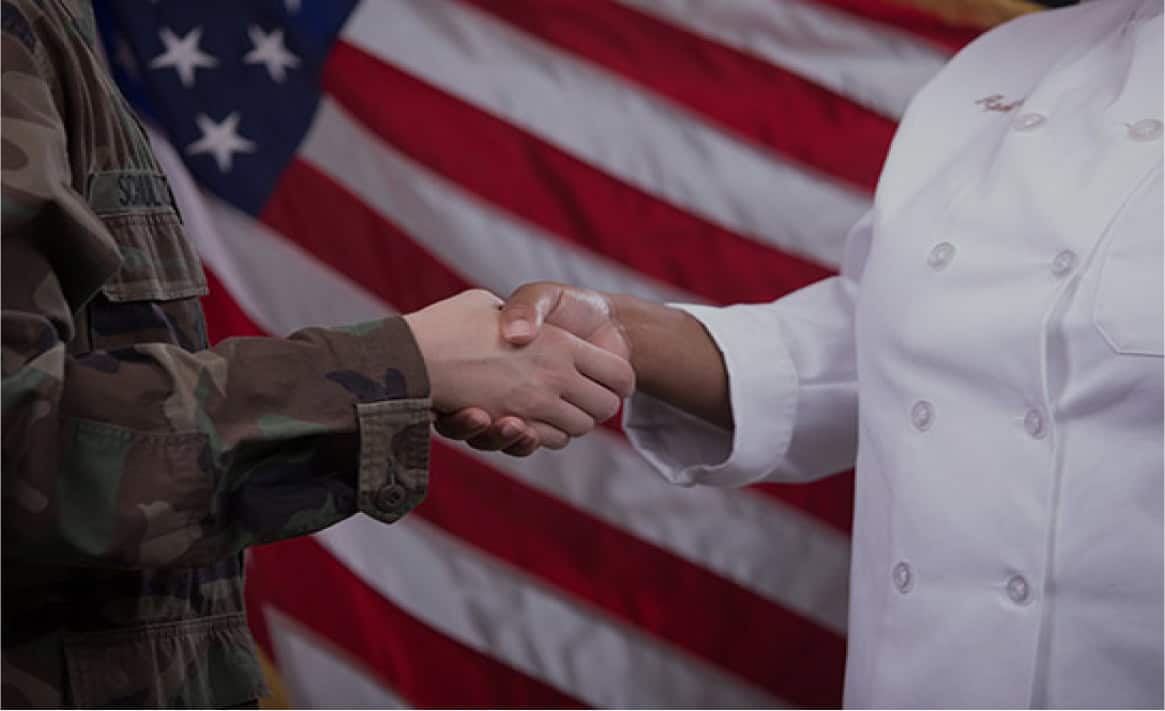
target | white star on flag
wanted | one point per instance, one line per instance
(220, 140)
(183, 54)
(269, 51)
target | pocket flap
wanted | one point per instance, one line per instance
(158, 262)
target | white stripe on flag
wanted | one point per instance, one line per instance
(304, 292)
(774, 550)
(318, 675)
(731, 532)
(874, 65)
(500, 611)
(612, 124)
(487, 246)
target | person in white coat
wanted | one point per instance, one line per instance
(990, 360)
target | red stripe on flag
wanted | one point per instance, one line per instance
(338, 228)
(525, 526)
(900, 16)
(534, 531)
(752, 98)
(429, 669)
(550, 188)
(382, 258)
(674, 599)
(224, 317)
(831, 499)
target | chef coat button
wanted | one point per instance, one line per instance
(903, 577)
(390, 497)
(1033, 422)
(1145, 130)
(940, 256)
(1063, 263)
(1029, 121)
(1018, 589)
(922, 414)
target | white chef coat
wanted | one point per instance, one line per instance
(991, 361)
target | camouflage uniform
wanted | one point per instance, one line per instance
(138, 463)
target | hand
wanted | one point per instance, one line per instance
(559, 384)
(585, 313)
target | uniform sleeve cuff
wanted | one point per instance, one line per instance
(393, 468)
(394, 457)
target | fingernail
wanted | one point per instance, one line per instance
(509, 430)
(519, 328)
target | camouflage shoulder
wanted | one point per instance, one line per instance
(16, 21)
(23, 27)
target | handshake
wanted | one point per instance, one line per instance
(547, 365)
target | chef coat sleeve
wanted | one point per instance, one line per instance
(793, 386)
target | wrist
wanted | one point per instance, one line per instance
(627, 314)
(452, 335)
(428, 336)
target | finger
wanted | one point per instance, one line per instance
(526, 310)
(550, 436)
(605, 368)
(463, 424)
(564, 416)
(591, 397)
(525, 446)
(505, 433)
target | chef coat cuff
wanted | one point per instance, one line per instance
(762, 384)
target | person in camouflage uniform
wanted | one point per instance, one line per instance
(138, 463)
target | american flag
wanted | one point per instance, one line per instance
(339, 160)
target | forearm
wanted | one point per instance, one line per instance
(675, 359)
(156, 456)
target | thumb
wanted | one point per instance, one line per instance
(525, 311)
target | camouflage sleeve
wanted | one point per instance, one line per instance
(153, 455)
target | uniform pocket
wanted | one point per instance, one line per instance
(158, 261)
(1129, 312)
(153, 297)
(199, 663)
